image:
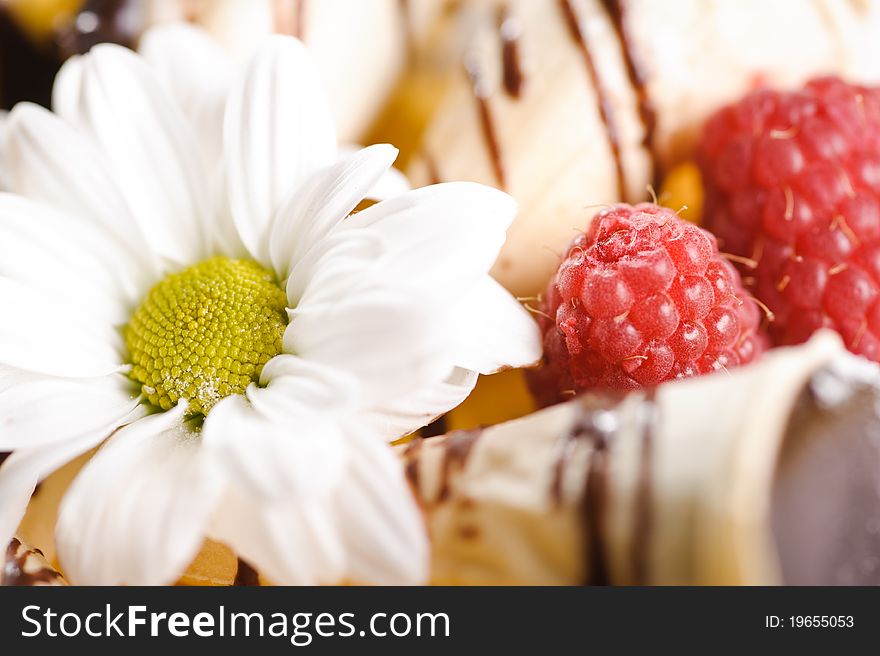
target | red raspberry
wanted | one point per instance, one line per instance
(640, 298)
(793, 183)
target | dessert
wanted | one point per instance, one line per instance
(765, 476)
(269, 368)
(793, 186)
(642, 297)
(612, 94)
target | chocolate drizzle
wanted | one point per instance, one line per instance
(19, 570)
(481, 94)
(638, 76)
(597, 421)
(4, 455)
(825, 498)
(457, 448)
(435, 428)
(246, 575)
(510, 30)
(605, 109)
(411, 457)
(644, 503)
(594, 506)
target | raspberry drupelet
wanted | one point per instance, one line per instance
(642, 297)
(793, 184)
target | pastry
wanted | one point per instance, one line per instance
(610, 94)
(764, 476)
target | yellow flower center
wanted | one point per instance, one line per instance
(206, 332)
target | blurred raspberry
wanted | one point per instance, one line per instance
(793, 184)
(640, 298)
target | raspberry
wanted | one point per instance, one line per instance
(793, 184)
(642, 297)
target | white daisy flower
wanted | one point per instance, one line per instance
(202, 296)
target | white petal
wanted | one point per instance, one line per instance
(386, 541)
(200, 89)
(278, 130)
(290, 544)
(10, 377)
(22, 470)
(339, 256)
(137, 513)
(38, 411)
(391, 184)
(275, 460)
(494, 331)
(15, 502)
(386, 337)
(155, 157)
(322, 201)
(45, 249)
(439, 239)
(67, 90)
(418, 408)
(53, 336)
(196, 72)
(303, 382)
(50, 162)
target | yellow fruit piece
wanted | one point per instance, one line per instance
(682, 191)
(405, 117)
(37, 528)
(39, 18)
(214, 565)
(496, 399)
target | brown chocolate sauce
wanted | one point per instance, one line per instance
(565, 447)
(605, 108)
(638, 77)
(510, 30)
(411, 457)
(246, 575)
(481, 94)
(4, 455)
(591, 424)
(468, 532)
(435, 428)
(14, 574)
(594, 506)
(825, 507)
(457, 448)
